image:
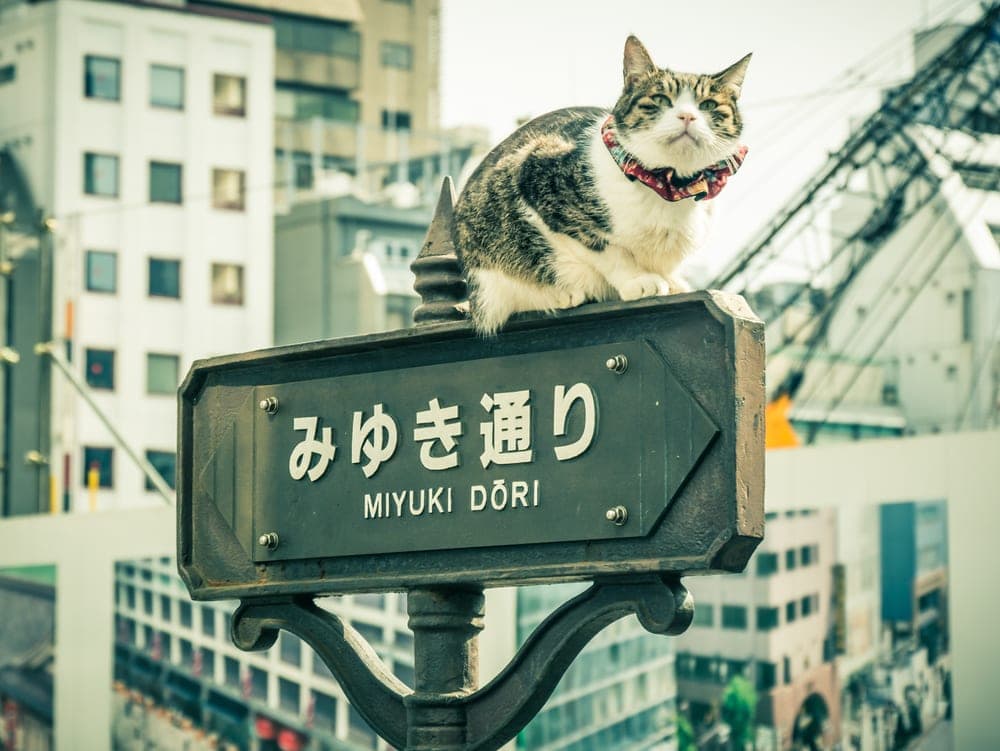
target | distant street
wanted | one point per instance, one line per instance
(938, 738)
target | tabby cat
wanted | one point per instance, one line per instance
(583, 204)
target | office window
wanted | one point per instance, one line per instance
(324, 712)
(395, 120)
(809, 555)
(288, 695)
(208, 620)
(100, 175)
(791, 611)
(790, 559)
(397, 55)
(290, 649)
(229, 95)
(228, 189)
(164, 462)
(162, 373)
(299, 103)
(102, 77)
(227, 284)
(166, 607)
(205, 665)
(767, 564)
(164, 182)
(767, 618)
(166, 87)
(101, 271)
(766, 675)
(704, 615)
(810, 605)
(232, 672)
(314, 35)
(734, 616)
(7, 73)
(186, 613)
(258, 683)
(164, 278)
(102, 460)
(100, 364)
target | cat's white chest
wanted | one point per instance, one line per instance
(643, 222)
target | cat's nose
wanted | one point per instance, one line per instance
(686, 117)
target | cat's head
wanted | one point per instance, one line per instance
(687, 121)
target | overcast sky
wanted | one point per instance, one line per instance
(504, 60)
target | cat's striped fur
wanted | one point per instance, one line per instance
(548, 220)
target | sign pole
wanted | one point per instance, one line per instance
(445, 621)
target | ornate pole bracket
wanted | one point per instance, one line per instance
(464, 719)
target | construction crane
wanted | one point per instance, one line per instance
(957, 90)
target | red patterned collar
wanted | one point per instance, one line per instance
(706, 184)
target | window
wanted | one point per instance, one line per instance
(766, 674)
(100, 175)
(704, 615)
(7, 73)
(291, 649)
(227, 284)
(302, 103)
(967, 315)
(313, 35)
(100, 368)
(810, 605)
(161, 373)
(166, 87)
(186, 613)
(288, 695)
(767, 618)
(101, 271)
(228, 189)
(164, 182)
(166, 609)
(258, 683)
(232, 669)
(164, 462)
(207, 663)
(734, 616)
(187, 653)
(767, 564)
(324, 712)
(164, 278)
(397, 55)
(791, 611)
(100, 460)
(790, 559)
(102, 77)
(229, 95)
(809, 554)
(395, 120)
(208, 620)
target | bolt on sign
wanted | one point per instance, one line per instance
(617, 438)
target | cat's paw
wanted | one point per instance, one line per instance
(569, 299)
(644, 285)
(678, 284)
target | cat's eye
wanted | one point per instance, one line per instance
(653, 103)
(709, 104)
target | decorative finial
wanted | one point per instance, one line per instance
(439, 274)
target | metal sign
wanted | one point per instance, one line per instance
(616, 438)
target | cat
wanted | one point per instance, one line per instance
(571, 207)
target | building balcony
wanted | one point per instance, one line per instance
(317, 69)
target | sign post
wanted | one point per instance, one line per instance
(617, 443)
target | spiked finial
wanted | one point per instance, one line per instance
(439, 278)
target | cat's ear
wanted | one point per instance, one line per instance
(637, 63)
(733, 75)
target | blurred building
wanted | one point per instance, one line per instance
(145, 131)
(771, 626)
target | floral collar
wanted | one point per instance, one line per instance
(663, 181)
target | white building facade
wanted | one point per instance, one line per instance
(146, 133)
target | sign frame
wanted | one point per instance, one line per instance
(710, 341)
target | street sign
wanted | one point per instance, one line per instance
(617, 438)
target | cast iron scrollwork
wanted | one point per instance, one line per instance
(496, 712)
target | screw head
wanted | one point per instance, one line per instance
(269, 404)
(617, 515)
(268, 540)
(617, 364)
